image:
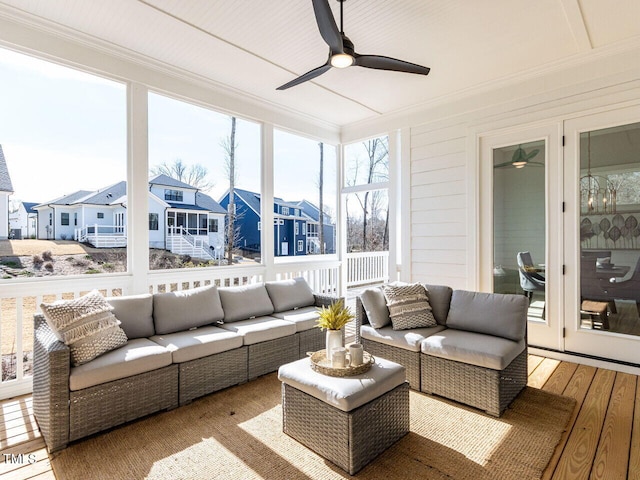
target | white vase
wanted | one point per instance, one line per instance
(334, 339)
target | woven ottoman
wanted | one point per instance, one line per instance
(347, 420)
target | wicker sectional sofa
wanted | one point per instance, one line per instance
(180, 346)
(476, 354)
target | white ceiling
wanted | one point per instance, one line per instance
(254, 46)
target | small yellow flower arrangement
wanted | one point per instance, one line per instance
(335, 316)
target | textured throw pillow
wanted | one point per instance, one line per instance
(86, 325)
(408, 306)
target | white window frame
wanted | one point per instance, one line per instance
(296, 228)
(300, 246)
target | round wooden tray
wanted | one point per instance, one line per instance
(321, 364)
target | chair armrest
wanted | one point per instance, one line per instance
(50, 384)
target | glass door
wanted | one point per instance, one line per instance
(603, 235)
(520, 191)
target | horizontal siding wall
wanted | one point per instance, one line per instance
(438, 205)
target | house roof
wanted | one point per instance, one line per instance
(28, 206)
(252, 199)
(5, 178)
(167, 181)
(209, 203)
(70, 199)
(108, 195)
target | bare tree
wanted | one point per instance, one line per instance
(229, 146)
(194, 174)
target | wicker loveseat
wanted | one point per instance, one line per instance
(180, 346)
(476, 354)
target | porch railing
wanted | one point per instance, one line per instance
(367, 267)
(102, 236)
(180, 241)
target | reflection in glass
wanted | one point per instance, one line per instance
(519, 224)
(609, 229)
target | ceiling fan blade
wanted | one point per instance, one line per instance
(500, 165)
(387, 63)
(327, 25)
(307, 76)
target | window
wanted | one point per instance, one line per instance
(300, 246)
(50, 219)
(173, 195)
(199, 140)
(296, 228)
(259, 225)
(100, 215)
(153, 221)
(367, 204)
(64, 219)
(305, 177)
(75, 219)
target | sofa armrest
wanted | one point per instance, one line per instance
(50, 385)
(361, 318)
(324, 300)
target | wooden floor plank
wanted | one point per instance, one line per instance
(561, 377)
(612, 456)
(576, 388)
(532, 363)
(579, 452)
(541, 374)
(634, 452)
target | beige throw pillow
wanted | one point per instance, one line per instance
(86, 325)
(409, 306)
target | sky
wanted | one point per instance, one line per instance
(63, 130)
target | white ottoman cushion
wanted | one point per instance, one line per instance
(344, 393)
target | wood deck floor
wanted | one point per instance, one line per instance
(602, 441)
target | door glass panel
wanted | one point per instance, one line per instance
(610, 229)
(519, 223)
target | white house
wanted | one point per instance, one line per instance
(6, 189)
(181, 219)
(25, 219)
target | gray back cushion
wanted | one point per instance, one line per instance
(177, 311)
(247, 301)
(375, 306)
(290, 294)
(135, 313)
(439, 299)
(501, 315)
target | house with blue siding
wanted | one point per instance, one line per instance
(296, 225)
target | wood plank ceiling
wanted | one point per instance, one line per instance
(254, 46)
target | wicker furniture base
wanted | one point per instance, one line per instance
(208, 374)
(349, 439)
(484, 388)
(311, 341)
(410, 360)
(130, 398)
(266, 357)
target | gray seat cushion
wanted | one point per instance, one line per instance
(485, 351)
(135, 313)
(375, 306)
(137, 356)
(198, 343)
(502, 315)
(439, 299)
(406, 339)
(304, 318)
(261, 329)
(178, 311)
(344, 393)
(290, 294)
(247, 301)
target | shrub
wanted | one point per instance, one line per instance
(92, 271)
(108, 266)
(37, 260)
(48, 266)
(47, 256)
(79, 262)
(63, 236)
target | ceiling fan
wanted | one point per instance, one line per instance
(342, 53)
(521, 158)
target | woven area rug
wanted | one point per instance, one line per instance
(237, 434)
